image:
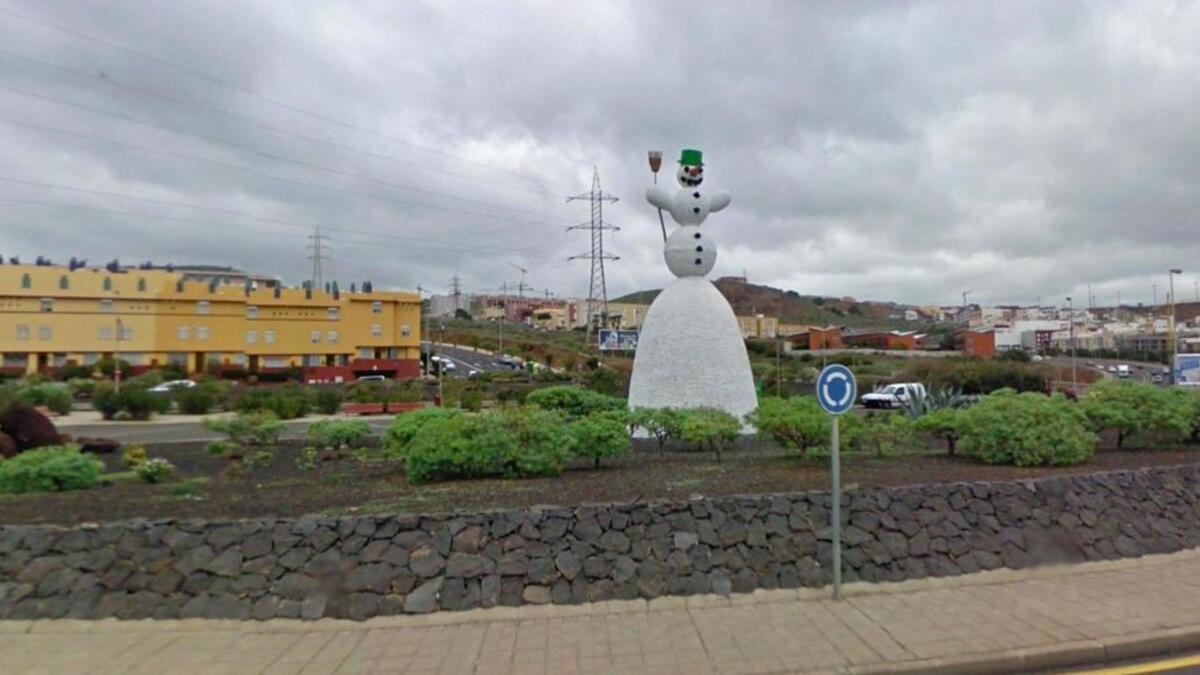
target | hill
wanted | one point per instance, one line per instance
(791, 307)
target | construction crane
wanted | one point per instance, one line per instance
(520, 286)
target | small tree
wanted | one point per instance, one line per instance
(257, 428)
(661, 423)
(709, 428)
(797, 423)
(1130, 408)
(943, 423)
(883, 432)
(1188, 403)
(600, 435)
(337, 434)
(1026, 429)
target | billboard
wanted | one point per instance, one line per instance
(1187, 369)
(618, 340)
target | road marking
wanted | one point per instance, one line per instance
(1163, 666)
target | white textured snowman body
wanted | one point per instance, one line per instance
(690, 351)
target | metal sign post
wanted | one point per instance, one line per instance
(836, 392)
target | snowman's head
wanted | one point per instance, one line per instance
(690, 176)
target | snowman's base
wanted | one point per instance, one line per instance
(690, 353)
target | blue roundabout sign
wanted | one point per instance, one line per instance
(836, 389)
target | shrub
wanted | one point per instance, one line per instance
(286, 403)
(797, 423)
(219, 448)
(944, 423)
(198, 400)
(155, 470)
(1026, 430)
(472, 400)
(405, 427)
(76, 372)
(337, 434)
(56, 397)
(510, 443)
(881, 432)
(140, 403)
(973, 376)
(709, 429)
(82, 387)
(922, 402)
(256, 428)
(601, 435)
(607, 381)
(1188, 403)
(49, 469)
(134, 455)
(574, 402)
(106, 400)
(1130, 408)
(107, 365)
(328, 400)
(661, 423)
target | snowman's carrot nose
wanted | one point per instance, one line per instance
(695, 171)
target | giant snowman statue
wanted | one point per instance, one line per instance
(690, 352)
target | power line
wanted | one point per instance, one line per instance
(597, 302)
(151, 93)
(237, 87)
(277, 158)
(317, 256)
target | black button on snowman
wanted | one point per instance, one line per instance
(688, 252)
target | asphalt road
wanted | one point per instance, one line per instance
(1138, 371)
(466, 360)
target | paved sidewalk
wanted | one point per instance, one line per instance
(1001, 621)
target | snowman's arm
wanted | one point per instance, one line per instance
(658, 197)
(718, 201)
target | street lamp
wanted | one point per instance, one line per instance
(1071, 333)
(1171, 324)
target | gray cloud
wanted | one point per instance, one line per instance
(882, 150)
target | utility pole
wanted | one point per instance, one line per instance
(316, 255)
(456, 292)
(503, 311)
(1117, 338)
(1171, 347)
(1071, 319)
(597, 302)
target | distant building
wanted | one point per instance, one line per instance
(758, 326)
(883, 340)
(979, 343)
(814, 338)
(222, 274)
(628, 315)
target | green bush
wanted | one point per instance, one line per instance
(156, 470)
(709, 429)
(255, 428)
(56, 397)
(663, 424)
(405, 427)
(944, 423)
(796, 423)
(50, 469)
(219, 448)
(574, 402)
(76, 372)
(509, 443)
(198, 400)
(1131, 408)
(107, 365)
(974, 376)
(106, 400)
(472, 400)
(328, 400)
(134, 455)
(1188, 402)
(607, 382)
(883, 433)
(1026, 430)
(285, 402)
(82, 387)
(337, 434)
(140, 403)
(602, 435)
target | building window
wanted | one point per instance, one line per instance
(63, 283)
(332, 313)
(106, 332)
(26, 281)
(377, 307)
(47, 304)
(45, 332)
(177, 359)
(376, 330)
(251, 337)
(269, 337)
(142, 285)
(91, 358)
(251, 312)
(108, 283)
(133, 358)
(23, 332)
(124, 332)
(332, 337)
(274, 362)
(185, 333)
(405, 330)
(315, 337)
(202, 307)
(202, 333)
(366, 353)
(106, 306)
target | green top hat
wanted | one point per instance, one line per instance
(691, 158)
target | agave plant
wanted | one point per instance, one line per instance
(922, 403)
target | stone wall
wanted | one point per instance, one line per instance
(363, 566)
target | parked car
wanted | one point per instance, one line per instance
(1123, 371)
(1157, 378)
(372, 378)
(172, 386)
(893, 395)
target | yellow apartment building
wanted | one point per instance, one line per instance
(53, 316)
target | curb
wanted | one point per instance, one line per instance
(1048, 657)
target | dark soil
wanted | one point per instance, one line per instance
(207, 487)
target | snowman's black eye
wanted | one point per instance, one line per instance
(696, 195)
(697, 235)
(699, 249)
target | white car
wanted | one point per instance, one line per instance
(893, 395)
(372, 378)
(171, 386)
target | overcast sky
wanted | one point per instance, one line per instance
(883, 150)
